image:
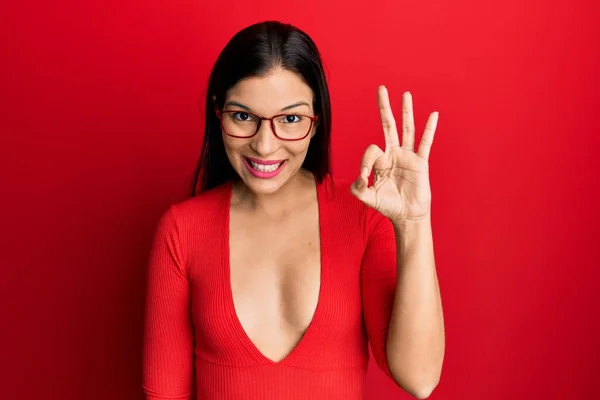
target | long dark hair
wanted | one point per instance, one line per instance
(254, 51)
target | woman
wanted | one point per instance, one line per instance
(271, 282)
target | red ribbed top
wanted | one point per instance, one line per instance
(195, 346)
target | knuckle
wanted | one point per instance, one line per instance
(373, 151)
(426, 142)
(388, 124)
(372, 148)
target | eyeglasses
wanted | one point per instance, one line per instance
(242, 124)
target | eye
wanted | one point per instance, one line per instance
(241, 116)
(292, 119)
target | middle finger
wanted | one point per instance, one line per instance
(408, 123)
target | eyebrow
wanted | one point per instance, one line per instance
(298, 104)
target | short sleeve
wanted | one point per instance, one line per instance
(168, 332)
(378, 283)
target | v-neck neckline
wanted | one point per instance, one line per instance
(312, 330)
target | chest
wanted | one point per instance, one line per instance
(276, 289)
(275, 274)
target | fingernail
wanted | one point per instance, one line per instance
(360, 183)
(364, 171)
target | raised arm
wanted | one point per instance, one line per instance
(402, 302)
(378, 285)
(168, 333)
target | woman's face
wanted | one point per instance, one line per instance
(265, 162)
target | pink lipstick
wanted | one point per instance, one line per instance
(263, 169)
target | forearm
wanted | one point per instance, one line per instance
(416, 343)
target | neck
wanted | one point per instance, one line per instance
(293, 193)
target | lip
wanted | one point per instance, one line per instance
(261, 174)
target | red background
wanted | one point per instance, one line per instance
(101, 128)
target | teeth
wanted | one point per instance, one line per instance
(264, 168)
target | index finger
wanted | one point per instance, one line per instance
(387, 118)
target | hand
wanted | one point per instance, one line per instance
(401, 189)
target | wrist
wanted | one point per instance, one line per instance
(406, 223)
(410, 235)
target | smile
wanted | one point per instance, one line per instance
(263, 168)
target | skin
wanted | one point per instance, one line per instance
(276, 282)
(401, 191)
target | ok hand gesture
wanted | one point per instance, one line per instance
(401, 189)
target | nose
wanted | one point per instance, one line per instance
(264, 142)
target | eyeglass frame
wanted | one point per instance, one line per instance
(260, 120)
